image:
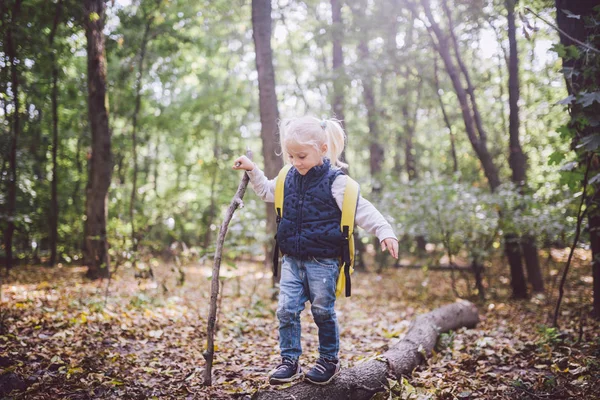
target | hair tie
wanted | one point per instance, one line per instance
(324, 124)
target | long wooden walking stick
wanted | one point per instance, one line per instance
(214, 287)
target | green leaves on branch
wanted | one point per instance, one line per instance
(585, 99)
(460, 217)
(568, 52)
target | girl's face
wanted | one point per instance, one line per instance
(304, 156)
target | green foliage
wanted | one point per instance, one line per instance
(461, 217)
(582, 73)
(455, 216)
(548, 335)
(446, 341)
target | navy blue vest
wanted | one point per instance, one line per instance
(310, 226)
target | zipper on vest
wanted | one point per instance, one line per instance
(300, 203)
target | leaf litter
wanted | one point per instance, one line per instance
(60, 337)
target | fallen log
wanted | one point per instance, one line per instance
(364, 380)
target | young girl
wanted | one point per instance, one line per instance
(310, 238)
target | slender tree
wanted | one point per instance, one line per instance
(438, 91)
(338, 61)
(409, 95)
(517, 159)
(96, 241)
(134, 138)
(54, 196)
(339, 96)
(11, 51)
(269, 112)
(376, 152)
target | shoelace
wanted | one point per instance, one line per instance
(284, 364)
(321, 366)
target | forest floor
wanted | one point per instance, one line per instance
(62, 336)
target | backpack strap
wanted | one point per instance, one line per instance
(347, 226)
(279, 186)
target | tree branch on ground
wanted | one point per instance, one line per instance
(370, 377)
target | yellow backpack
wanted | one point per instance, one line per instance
(346, 225)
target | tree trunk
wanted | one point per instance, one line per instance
(339, 84)
(594, 229)
(375, 147)
(463, 68)
(136, 111)
(446, 119)
(338, 62)
(376, 152)
(410, 98)
(366, 379)
(96, 247)
(478, 142)
(75, 194)
(478, 272)
(5, 133)
(11, 202)
(532, 263)
(269, 113)
(54, 191)
(578, 82)
(410, 125)
(517, 276)
(516, 158)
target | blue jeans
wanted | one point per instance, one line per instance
(311, 280)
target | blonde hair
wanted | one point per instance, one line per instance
(314, 132)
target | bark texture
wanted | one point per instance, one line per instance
(96, 243)
(366, 379)
(269, 112)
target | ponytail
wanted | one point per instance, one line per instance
(336, 140)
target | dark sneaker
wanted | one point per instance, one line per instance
(324, 371)
(287, 371)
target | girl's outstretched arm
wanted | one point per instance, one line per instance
(368, 217)
(263, 187)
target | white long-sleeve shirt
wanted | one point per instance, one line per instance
(367, 216)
